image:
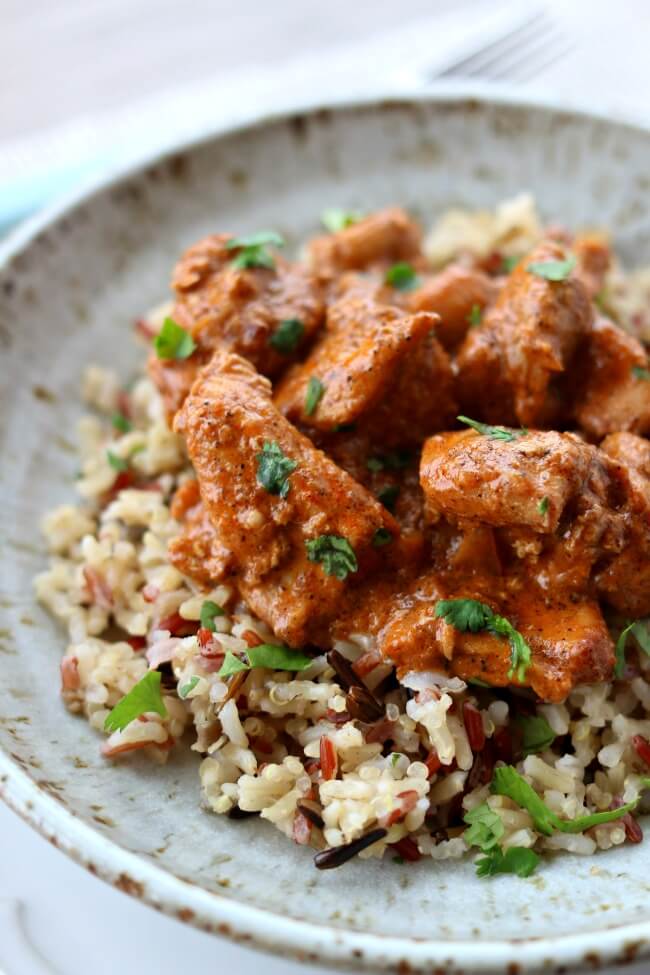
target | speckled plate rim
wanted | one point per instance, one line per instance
(266, 930)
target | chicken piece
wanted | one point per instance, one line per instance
(568, 638)
(594, 256)
(612, 382)
(227, 420)
(625, 580)
(454, 294)
(196, 551)
(236, 308)
(509, 367)
(383, 238)
(379, 367)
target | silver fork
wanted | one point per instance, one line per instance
(518, 55)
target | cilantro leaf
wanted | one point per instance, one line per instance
(116, 462)
(517, 859)
(388, 496)
(253, 249)
(639, 630)
(315, 390)
(641, 633)
(536, 732)
(381, 537)
(494, 433)
(392, 460)
(475, 316)
(334, 219)
(121, 422)
(143, 697)
(542, 507)
(274, 468)
(508, 782)
(553, 270)
(209, 611)
(470, 614)
(277, 657)
(640, 373)
(287, 336)
(485, 828)
(186, 689)
(402, 276)
(509, 264)
(173, 342)
(231, 665)
(335, 554)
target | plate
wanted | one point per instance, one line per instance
(71, 284)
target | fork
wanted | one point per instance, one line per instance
(518, 55)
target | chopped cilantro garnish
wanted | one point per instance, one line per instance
(475, 316)
(388, 495)
(265, 655)
(394, 759)
(485, 828)
(477, 681)
(509, 264)
(553, 270)
(639, 372)
(334, 219)
(145, 696)
(253, 249)
(542, 507)
(121, 422)
(209, 611)
(536, 734)
(173, 342)
(393, 460)
(639, 630)
(473, 616)
(381, 537)
(287, 336)
(186, 689)
(516, 859)
(117, 463)
(399, 860)
(508, 782)
(274, 468)
(401, 276)
(315, 390)
(494, 433)
(335, 554)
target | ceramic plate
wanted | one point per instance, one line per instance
(70, 286)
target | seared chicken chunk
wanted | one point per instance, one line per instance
(594, 257)
(613, 382)
(280, 542)
(196, 551)
(240, 309)
(383, 238)
(508, 367)
(458, 294)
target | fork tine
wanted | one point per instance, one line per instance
(531, 60)
(486, 61)
(466, 64)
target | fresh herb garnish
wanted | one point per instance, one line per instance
(486, 828)
(477, 681)
(253, 249)
(639, 372)
(393, 460)
(401, 276)
(494, 433)
(475, 316)
(265, 655)
(334, 219)
(186, 689)
(335, 554)
(536, 734)
(209, 611)
(399, 860)
(388, 495)
(553, 270)
(287, 335)
(121, 422)
(117, 463)
(145, 696)
(639, 630)
(381, 537)
(394, 759)
(516, 859)
(473, 616)
(173, 342)
(508, 782)
(508, 264)
(274, 468)
(315, 390)
(542, 507)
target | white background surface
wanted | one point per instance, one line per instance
(71, 60)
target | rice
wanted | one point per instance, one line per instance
(408, 777)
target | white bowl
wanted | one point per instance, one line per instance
(70, 286)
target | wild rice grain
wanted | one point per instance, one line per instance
(336, 856)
